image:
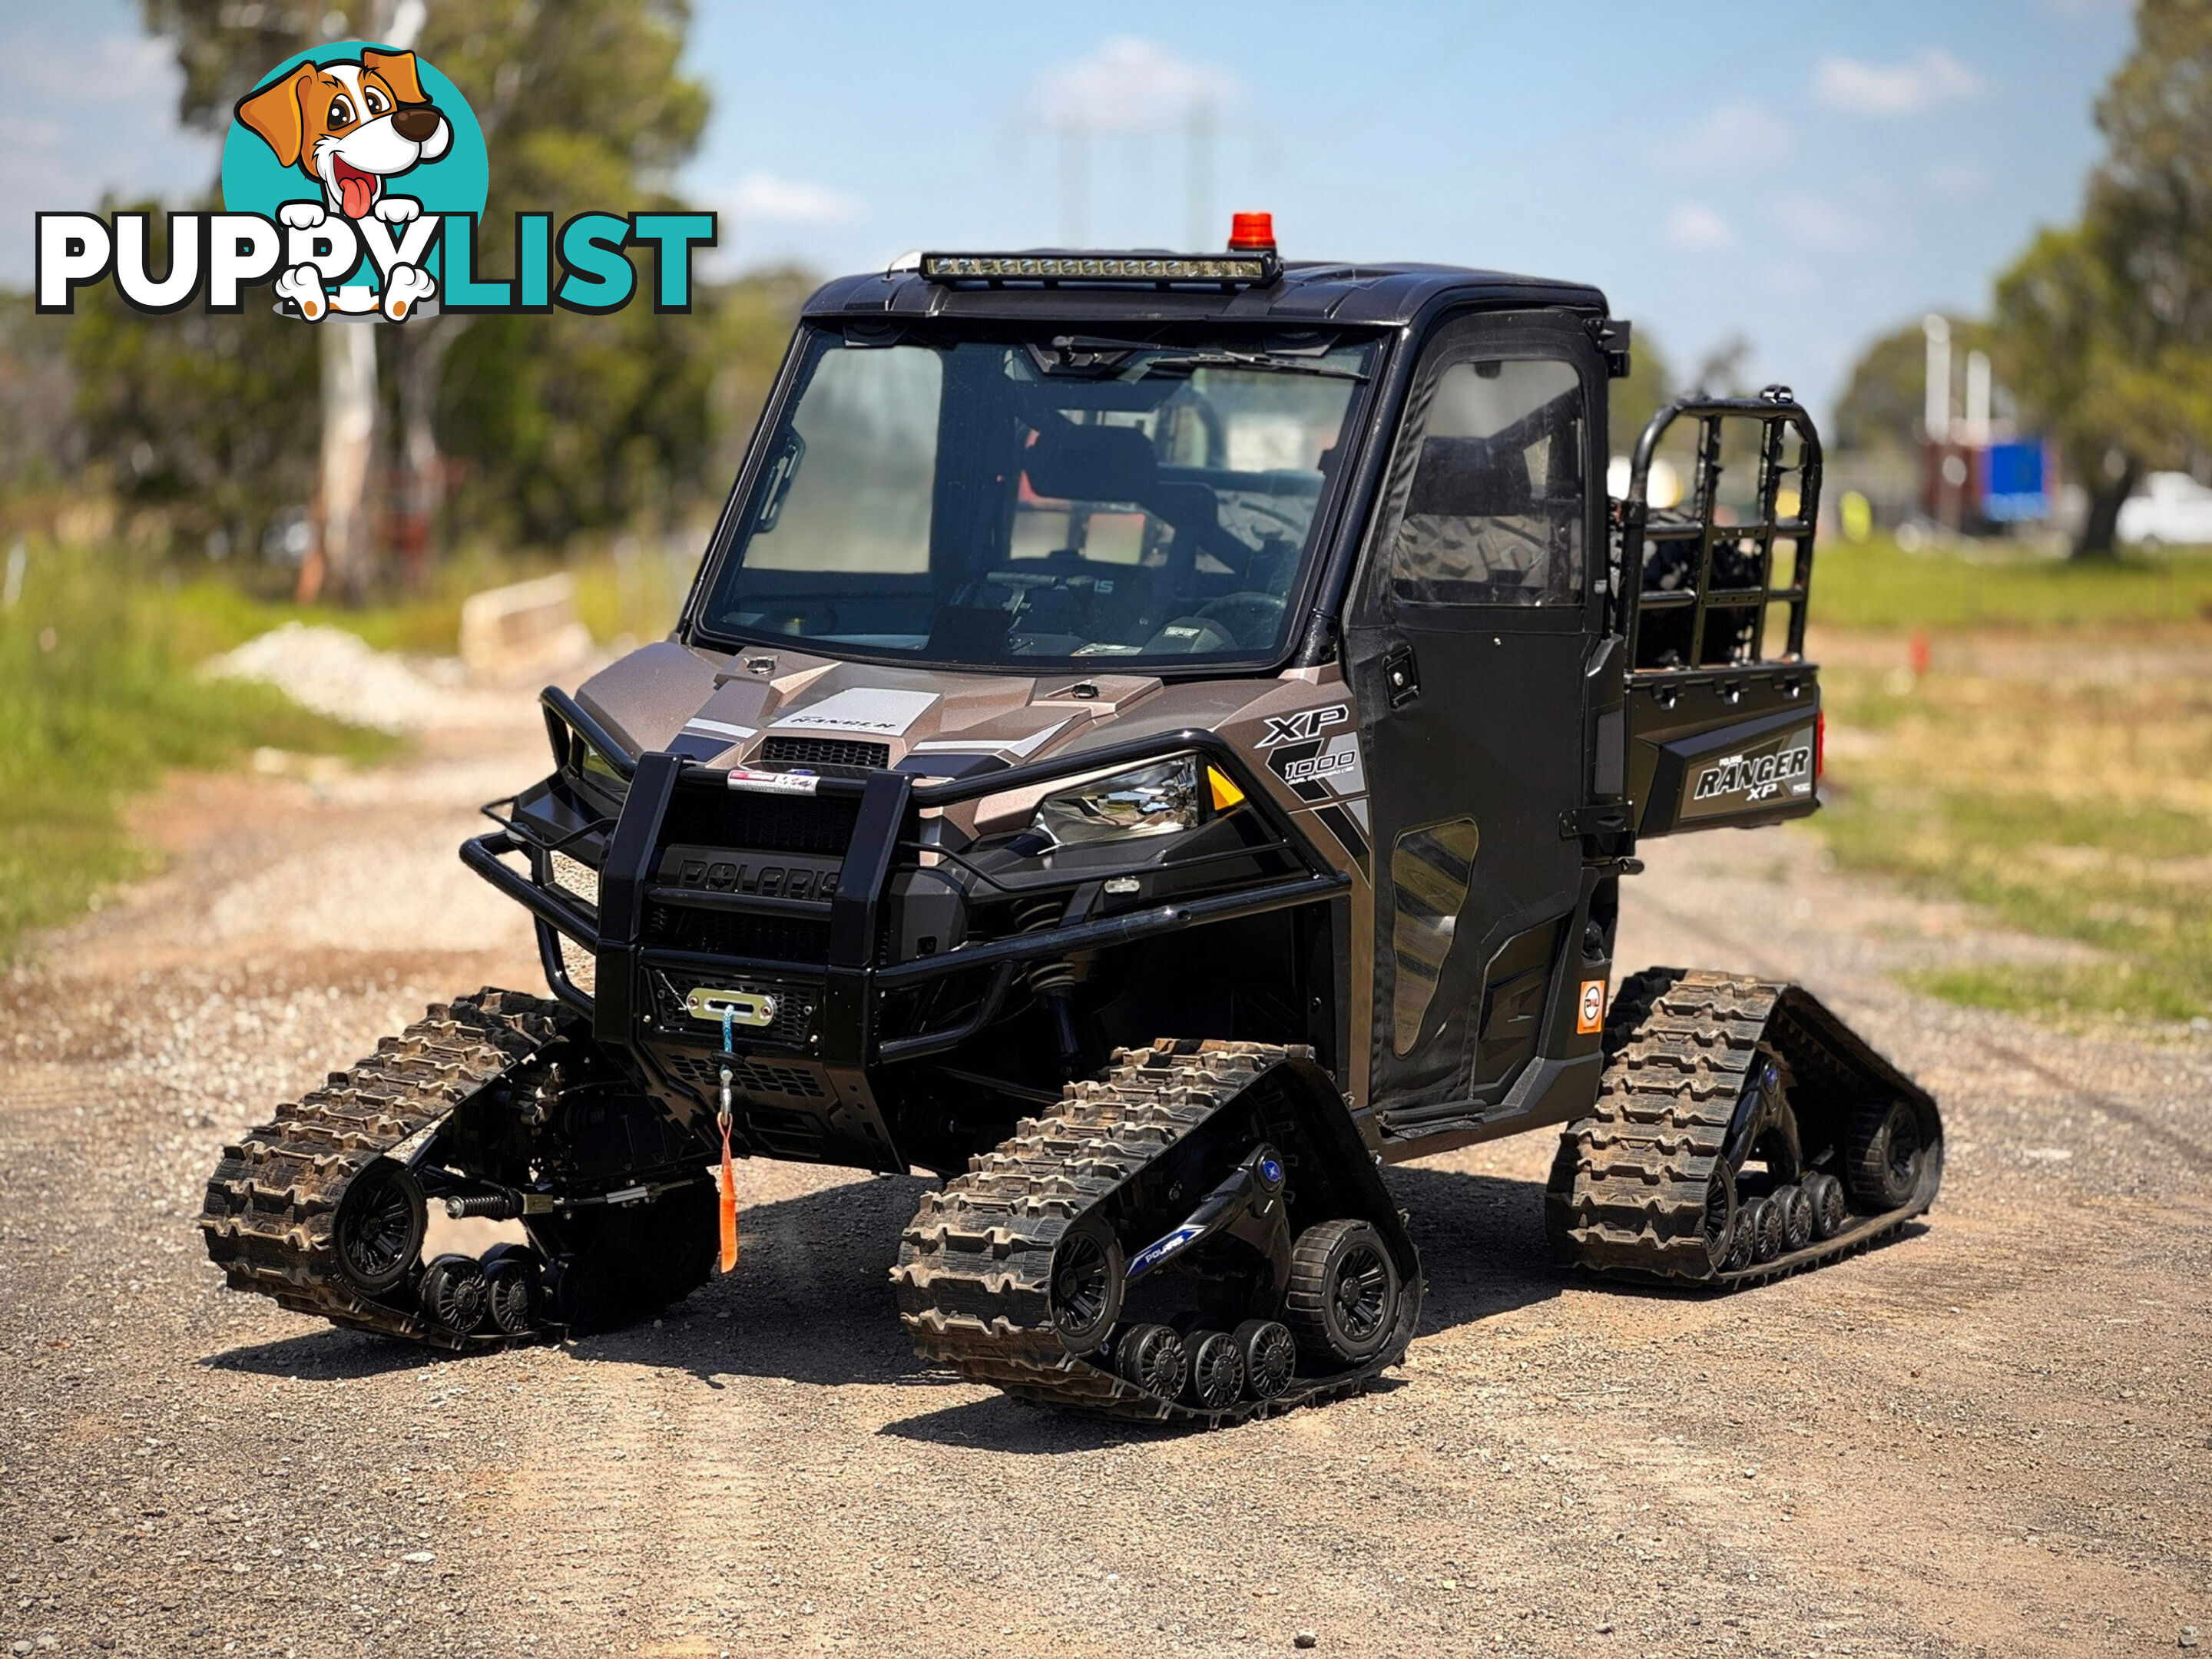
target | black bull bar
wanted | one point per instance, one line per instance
(854, 982)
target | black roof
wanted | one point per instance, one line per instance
(1305, 294)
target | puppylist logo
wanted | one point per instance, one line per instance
(354, 177)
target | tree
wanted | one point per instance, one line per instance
(1635, 399)
(1886, 400)
(2105, 330)
(2069, 346)
(582, 107)
(197, 417)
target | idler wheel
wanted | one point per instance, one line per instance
(1719, 1227)
(511, 1289)
(1270, 1353)
(454, 1295)
(1154, 1358)
(378, 1231)
(1217, 1370)
(1764, 1221)
(1883, 1154)
(1343, 1300)
(1797, 1211)
(1087, 1275)
(1832, 1208)
(577, 1293)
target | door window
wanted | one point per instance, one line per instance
(1494, 515)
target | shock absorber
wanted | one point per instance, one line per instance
(1052, 981)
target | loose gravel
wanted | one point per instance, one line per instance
(339, 674)
(1992, 1436)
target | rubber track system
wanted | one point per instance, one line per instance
(1626, 1197)
(974, 1264)
(272, 1199)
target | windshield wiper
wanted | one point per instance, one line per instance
(1088, 354)
(1184, 363)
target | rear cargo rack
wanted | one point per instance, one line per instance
(1696, 591)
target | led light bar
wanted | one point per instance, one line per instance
(1243, 269)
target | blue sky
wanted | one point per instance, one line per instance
(1805, 174)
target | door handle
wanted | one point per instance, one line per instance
(1402, 676)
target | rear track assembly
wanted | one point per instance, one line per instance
(1629, 1189)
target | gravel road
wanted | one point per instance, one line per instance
(1993, 1436)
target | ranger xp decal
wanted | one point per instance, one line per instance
(1755, 778)
(1779, 768)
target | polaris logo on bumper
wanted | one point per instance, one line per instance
(711, 870)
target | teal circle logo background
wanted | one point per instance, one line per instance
(255, 181)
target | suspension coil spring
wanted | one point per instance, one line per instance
(499, 1206)
(1055, 977)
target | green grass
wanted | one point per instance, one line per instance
(2063, 991)
(2069, 809)
(98, 697)
(1876, 584)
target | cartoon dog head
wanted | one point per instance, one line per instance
(349, 126)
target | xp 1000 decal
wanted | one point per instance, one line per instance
(1322, 764)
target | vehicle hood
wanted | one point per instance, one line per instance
(726, 711)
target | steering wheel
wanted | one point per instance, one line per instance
(1251, 618)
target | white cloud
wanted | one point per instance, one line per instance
(1920, 82)
(1734, 138)
(1820, 225)
(1956, 179)
(762, 197)
(1130, 85)
(1693, 228)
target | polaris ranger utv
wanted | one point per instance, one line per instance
(1152, 740)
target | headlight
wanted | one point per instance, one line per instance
(1159, 800)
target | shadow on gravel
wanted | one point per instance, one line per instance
(812, 1302)
(328, 1355)
(1481, 1240)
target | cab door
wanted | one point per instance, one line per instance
(1470, 630)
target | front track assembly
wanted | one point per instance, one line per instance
(1741, 1133)
(270, 1217)
(1145, 1250)
(489, 1106)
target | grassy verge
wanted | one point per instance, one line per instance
(1875, 584)
(98, 694)
(2078, 809)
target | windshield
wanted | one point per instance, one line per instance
(1012, 502)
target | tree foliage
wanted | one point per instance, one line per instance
(1886, 401)
(210, 419)
(553, 424)
(2104, 330)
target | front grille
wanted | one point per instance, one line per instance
(795, 1007)
(826, 752)
(733, 933)
(747, 1077)
(820, 824)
